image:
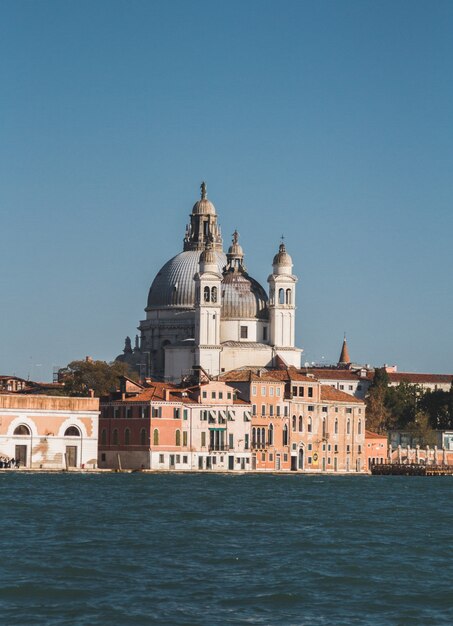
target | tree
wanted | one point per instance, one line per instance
(377, 414)
(439, 407)
(82, 376)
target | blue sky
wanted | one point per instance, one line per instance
(329, 122)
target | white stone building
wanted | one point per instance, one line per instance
(205, 310)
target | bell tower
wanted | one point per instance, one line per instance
(207, 312)
(282, 308)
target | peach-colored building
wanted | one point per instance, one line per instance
(165, 427)
(376, 447)
(317, 428)
(49, 432)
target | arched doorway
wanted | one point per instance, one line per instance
(23, 432)
(301, 459)
(72, 452)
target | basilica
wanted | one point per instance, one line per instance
(206, 313)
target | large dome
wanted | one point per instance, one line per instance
(243, 297)
(174, 285)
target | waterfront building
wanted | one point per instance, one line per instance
(376, 448)
(49, 432)
(204, 309)
(164, 427)
(318, 428)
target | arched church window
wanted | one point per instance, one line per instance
(336, 427)
(104, 437)
(263, 436)
(281, 296)
(22, 430)
(359, 427)
(324, 427)
(127, 437)
(72, 431)
(115, 437)
(143, 437)
(301, 424)
(214, 294)
(178, 438)
(348, 427)
(156, 437)
(258, 436)
(294, 422)
(206, 294)
(288, 296)
(253, 437)
(309, 425)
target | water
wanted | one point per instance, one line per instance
(107, 549)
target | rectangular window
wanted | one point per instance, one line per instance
(285, 458)
(213, 396)
(286, 411)
(329, 461)
(103, 456)
(351, 387)
(254, 390)
(253, 409)
(230, 441)
(277, 391)
(310, 392)
(348, 449)
(263, 456)
(178, 458)
(348, 410)
(335, 449)
(301, 392)
(324, 409)
(271, 410)
(310, 446)
(203, 440)
(246, 442)
(185, 414)
(220, 395)
(205, 394)
(263, 391)
(294, 391)
(263, 409)
(264, 333)
(244, 332)
(310, 407)
(309, 460)
(161, 458)
(271, 457)
(184, 438)
(271, 391)
(341, 386)
(359, 449)
(176, 413)
(278, 410)
(229, 395)
(185, 459)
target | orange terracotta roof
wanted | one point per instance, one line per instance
(334, 374)
(344, 356)
(335, 395)
(410, 377)
(370, 435)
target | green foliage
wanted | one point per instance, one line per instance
(82, 376)
(377, 414)
(438, 405)
(408, 407)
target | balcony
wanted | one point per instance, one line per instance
(219, 448)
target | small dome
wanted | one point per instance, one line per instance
(243, 297)
(235, 251)
(203, 206)
(282, 257)
(208, 256)
(174, 285)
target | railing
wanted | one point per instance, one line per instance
(219, 448)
